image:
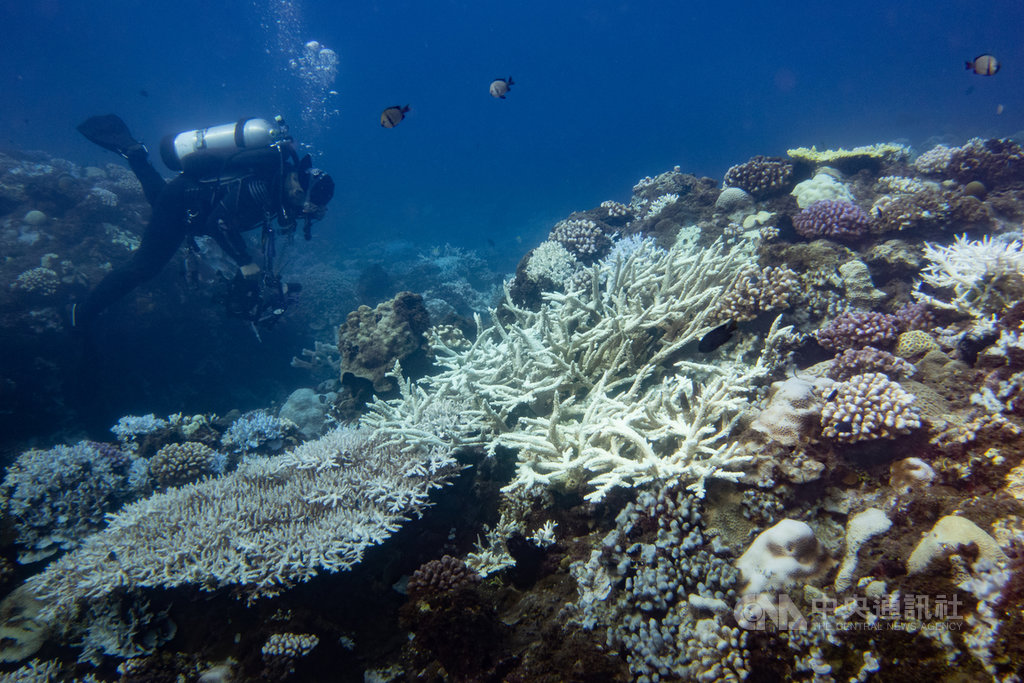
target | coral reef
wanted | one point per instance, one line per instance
(813, 499)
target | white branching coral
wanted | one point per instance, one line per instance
(584, 388)
(660, 204)
(979, 275)
(271, 523)
(550, 260)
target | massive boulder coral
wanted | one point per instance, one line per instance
(372, 339)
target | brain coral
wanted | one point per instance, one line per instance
(915, 343)
(832, 218)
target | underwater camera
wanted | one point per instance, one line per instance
(260, 301)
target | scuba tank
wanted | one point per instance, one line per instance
(221, 141)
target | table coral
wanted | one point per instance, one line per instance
(269, 524)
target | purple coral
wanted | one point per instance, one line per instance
(832, 218)
(857, 329)
(914, 316)
(868, 359)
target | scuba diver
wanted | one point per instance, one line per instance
(233, 178)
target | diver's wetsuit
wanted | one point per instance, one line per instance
(185, 206)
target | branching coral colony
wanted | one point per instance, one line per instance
(585, 389)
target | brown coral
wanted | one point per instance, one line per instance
(441, 575)
(181, 463)
(990, 162)
(372, 339)
(762, 176)
(758, 290)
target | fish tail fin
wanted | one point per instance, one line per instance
(510, 81)
(968, 65)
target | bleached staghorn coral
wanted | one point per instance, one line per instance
(590, 372)
(975, 272)
(270, 524)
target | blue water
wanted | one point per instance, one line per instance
(605, 93)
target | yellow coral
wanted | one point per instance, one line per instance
(885, 150)
(915, 343)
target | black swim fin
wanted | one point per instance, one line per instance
(109, 132)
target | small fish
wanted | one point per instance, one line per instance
(983, 65)
(716, 337)
(144, 93)
(500, 86)
(392, 116)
